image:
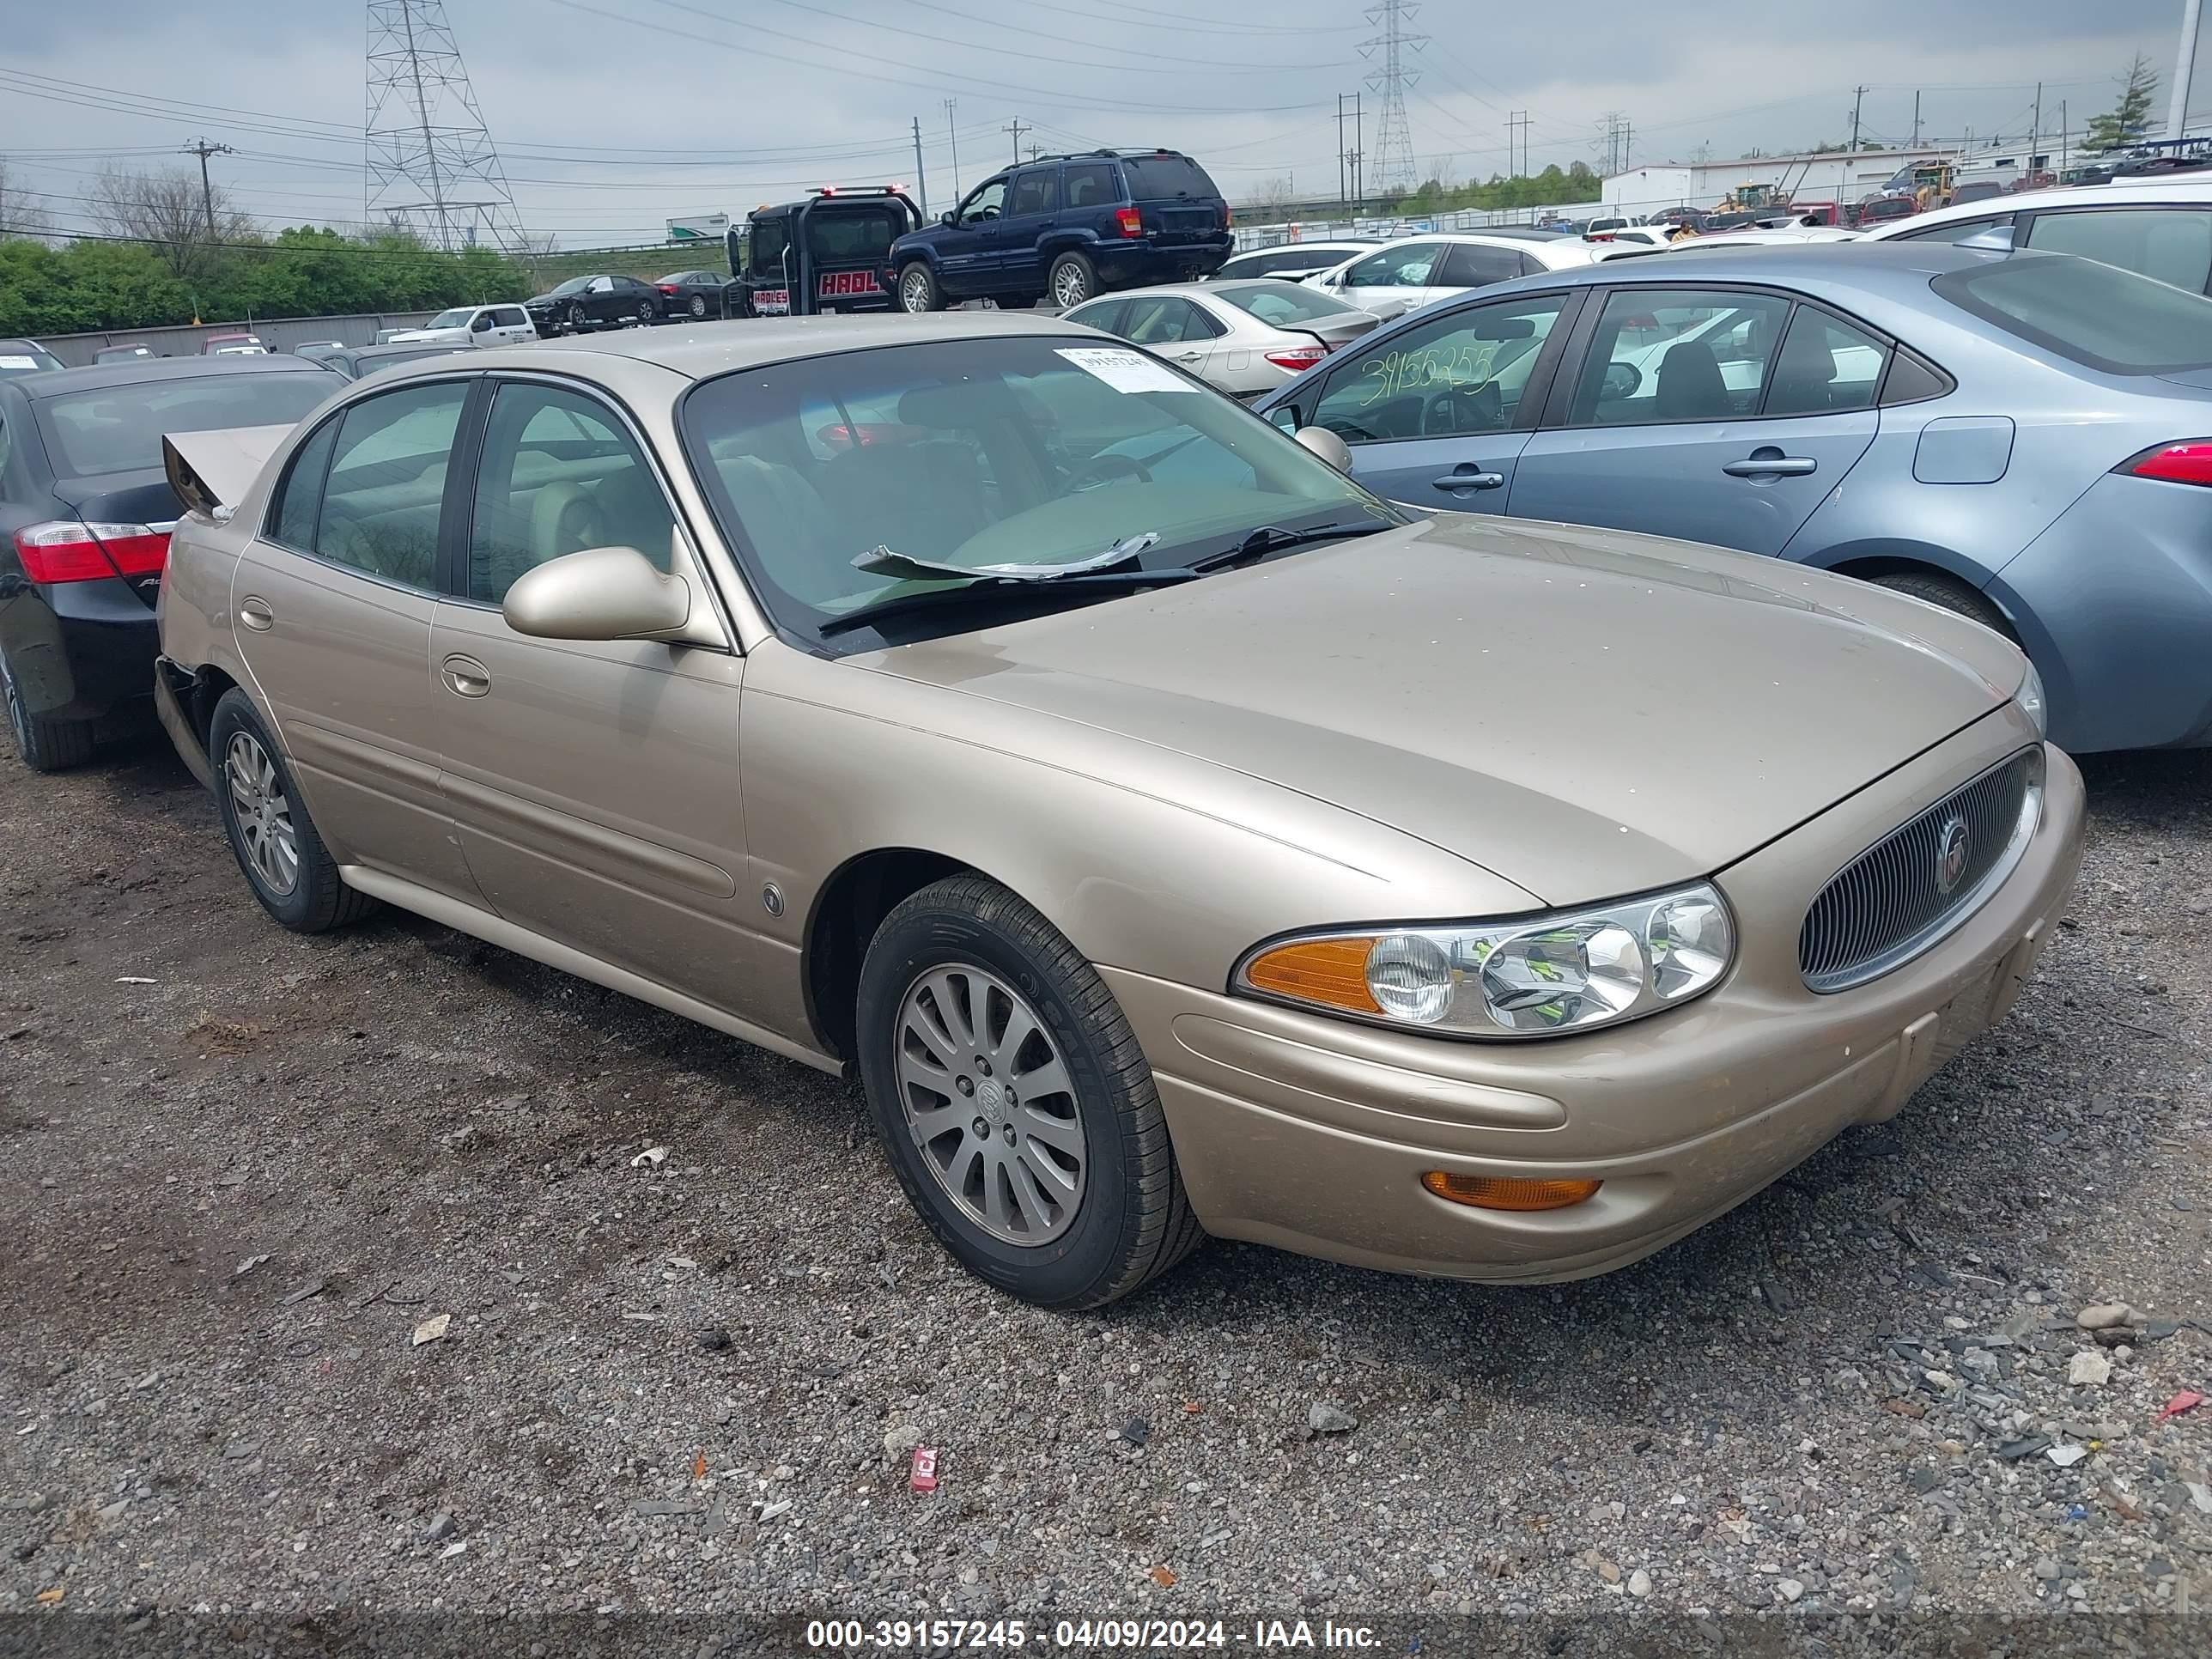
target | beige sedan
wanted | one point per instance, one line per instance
(1172, 836)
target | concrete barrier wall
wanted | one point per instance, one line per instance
(278, 334)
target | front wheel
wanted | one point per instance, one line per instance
(918, 290)
(698, 305)
(577, 316)
(1072, 280)
(277, 844)
(1014, 1102)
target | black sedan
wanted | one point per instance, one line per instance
(694, 294)
(26, 357)
(582, 303)
(85, 514)
(354, 361)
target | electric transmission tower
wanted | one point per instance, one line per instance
(1388, 49)
(430, 166)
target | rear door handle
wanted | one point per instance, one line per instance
(1775, 466)
(1191, 357)
(467, 676)
(1459, 483)
(255, 614)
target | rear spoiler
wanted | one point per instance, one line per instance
(211, 471)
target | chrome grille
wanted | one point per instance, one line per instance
(1888, 904)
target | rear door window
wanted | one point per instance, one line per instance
(1471, 265)
(1827, 366)
(387, 483)
(1166, 178)
(2168, 245)
(1955, 232)
(1036, 191)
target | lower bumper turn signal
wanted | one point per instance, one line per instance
(1502, 1193)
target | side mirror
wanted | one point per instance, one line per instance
(948, 218)
(483, 323)
(1320, 441)
(600, 593)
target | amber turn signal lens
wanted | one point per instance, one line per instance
(1326, 970)
(1498, 1192)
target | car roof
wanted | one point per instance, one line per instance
(1320, 245)
(1893, 268)
(137, 370)
(2156, 190)
(699, 350)
(24, 342)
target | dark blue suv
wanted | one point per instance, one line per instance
(1066, 227)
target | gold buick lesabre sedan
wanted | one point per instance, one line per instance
(1173, 837)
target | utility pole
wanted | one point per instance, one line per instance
(2184, 66)
(1519, 119)
(1017, 129)
(2064, 142)
(1916, 120)
(2035, 137)
(1858, 98)
(920, 173)
(1342, 200)
(201, 147)
(950, 105)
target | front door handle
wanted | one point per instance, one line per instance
(1771, 466)
(1459, 483)
(467, 676)
(255, 614)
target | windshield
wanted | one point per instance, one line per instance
(842, 235)
(455, 318)
(1282, 302)
(573, 285)
(1032, 451)
(2099, 315)
(764, 249)
(118, 428)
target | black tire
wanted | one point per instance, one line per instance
(1069, 273)
(918, 289)
(44, 745)
(698, 306)
(1131, 1221)
(1951, 595)
(319, 900)
(579, 319)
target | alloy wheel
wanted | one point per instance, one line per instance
(1068, 288)
(914, 289)
(698, 305)
(262, 813)
(987, 1096)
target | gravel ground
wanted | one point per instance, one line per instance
(234, 1197)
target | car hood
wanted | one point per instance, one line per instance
(1583, 713)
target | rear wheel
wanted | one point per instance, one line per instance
(918, 290)
(1072, 280)
(44, 745)
(1952, 594)
(274, 842)
(1014, 1102)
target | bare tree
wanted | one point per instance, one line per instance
(1270, 193)
(169, 211)
(20, 212)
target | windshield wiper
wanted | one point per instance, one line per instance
(1273, 539)
(1000, 590)
(880, 561)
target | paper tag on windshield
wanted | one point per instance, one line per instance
(1125, 370)
(16, 360)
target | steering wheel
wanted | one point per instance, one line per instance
(1099, 468)
(1483, 408)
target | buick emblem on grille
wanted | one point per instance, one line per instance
(1953, 846)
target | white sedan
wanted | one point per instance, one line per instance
(1243, 338)
(1405, 276)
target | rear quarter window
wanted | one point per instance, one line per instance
(2095, 314)
(1166, 178)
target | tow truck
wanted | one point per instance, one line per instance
(830, 253)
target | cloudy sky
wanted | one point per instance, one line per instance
(611, 115)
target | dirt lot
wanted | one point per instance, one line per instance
(231, 1196)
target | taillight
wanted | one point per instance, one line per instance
(1298, 358)
(1131, 221)
(65, 551)
(2189, 461)
(668, 289)
(1225, 215)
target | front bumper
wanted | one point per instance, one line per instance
(1312, 1134)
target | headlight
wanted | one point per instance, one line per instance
(2031, 699)
(1523, 976)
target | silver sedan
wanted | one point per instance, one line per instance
(1244, 338)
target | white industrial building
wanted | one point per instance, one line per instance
(1839, 176)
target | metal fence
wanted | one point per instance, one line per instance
(277, 333)
(1248, 237)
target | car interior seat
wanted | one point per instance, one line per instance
(1690, 385)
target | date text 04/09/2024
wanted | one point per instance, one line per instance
(1084, 1635)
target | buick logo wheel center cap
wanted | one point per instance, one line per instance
(1953, 847)
(991, 1100)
